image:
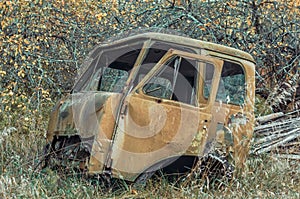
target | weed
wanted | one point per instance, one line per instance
(263, 177)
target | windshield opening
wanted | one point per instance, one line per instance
(110, 69)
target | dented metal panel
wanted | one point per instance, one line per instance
(152, 132)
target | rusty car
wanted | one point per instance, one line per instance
(153, 101)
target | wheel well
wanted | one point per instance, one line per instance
(181, 165)
(170, 166)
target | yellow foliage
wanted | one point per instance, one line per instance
(2, 73)
(43, 42)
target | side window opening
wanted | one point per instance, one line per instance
(175, 81)
(232, 84)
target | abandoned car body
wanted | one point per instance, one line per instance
(153, 101)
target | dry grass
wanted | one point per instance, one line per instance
(264, 177)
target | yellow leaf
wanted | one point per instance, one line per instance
(207, 24)
(2, 72)
(21, 73)
(26, 41)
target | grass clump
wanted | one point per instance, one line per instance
(263, 177)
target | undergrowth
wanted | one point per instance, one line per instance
(264, 177)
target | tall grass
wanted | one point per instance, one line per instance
(264, 177)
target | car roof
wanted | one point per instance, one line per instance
(178, 40)
(140, 38)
